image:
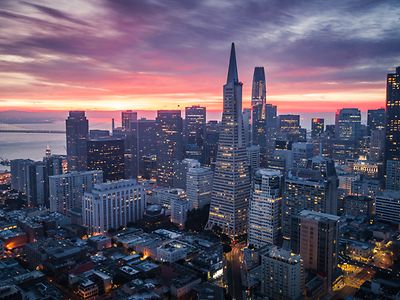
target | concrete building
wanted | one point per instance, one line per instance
(198, 187)
(265, 208)
(282, 275)
(112, 205)
(164, 196)
(179, 209)
(387, 206)
(66, 190)
(393, 175)
(180, 171)
(315, 238)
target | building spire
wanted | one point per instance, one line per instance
(232, 71)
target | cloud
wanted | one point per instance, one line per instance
(129, 48)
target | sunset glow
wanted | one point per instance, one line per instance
(115, 55)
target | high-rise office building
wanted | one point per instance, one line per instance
(148, 167)
(301, 152)
(271, 120)
(169, 144)
(147, 143)
(77, 128)
(282, 275)
(315, 238)
(112, 205)
(313, 188)
(258, 98)
(392, 146)
(180, 171)
(317, 127)
(247, 126)
(387, 206)
(19, 169)
(195, 132)
(376, 119)
(265, 208)
(128, 119)
(198, 186)
(66, 190)
(393, 175)
(289, 123)
(348, 124)
(231, 186)
(290, 129)
(36, 184)
(253, 156)
(377, 145)
(271, 128)
(107, 155)
(212, 137)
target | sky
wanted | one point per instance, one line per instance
(166, 54)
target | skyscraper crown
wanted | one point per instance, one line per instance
(232, 71)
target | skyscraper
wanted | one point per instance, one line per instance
(195, 132)
(77, 128)
(317, 127)
(36, 179)
(314, 188)
(246, 125)
(128, 118)
(348, 124)
(315, 238)
(265, 208)
(258, 96)
(271, 125)
(107, 154)
(231, 185)
(169, 144)
(392, 146)
(212, 137)
(376, 119)
(19, 169)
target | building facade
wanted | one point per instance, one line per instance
(113, 204)
(169, 144)
(77, 128)
(198, 186)
(107, 155)
(282, 275)
(265, 208)
(231, 185)
(66, 190)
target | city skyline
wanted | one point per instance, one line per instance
(144, 60)
(130, 168)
